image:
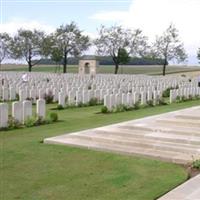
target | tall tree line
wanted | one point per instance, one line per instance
(69, 41)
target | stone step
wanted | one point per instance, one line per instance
(174, 157)
(164, 128)
(138, 143)
(190, 117)
(153, 136)
(173, 137)
(180, 122)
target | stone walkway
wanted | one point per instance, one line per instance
(190, 190)
(173, 137)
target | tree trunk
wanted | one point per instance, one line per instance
(116, 68)
(65, 63)
(29, 61)
(0, 66)
(29, 67)
(164, 67)
(116, 64)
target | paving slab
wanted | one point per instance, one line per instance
(190, 190)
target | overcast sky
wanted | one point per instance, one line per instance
(152, 16)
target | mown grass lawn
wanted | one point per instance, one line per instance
(31, 170)
(134, 69)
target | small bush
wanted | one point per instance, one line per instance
(29, 122)
(196, 164)
(13, 123)
(17, 97)
(93, 102)
(184, 98)
(166, 93)
(81, 104)
(120, 108)
(49, 97)
(150, 103)
(39, 121)
(104, 109)
(137, 105)
(161, 102)
(60, 107)
(178, 99)
(53, 117)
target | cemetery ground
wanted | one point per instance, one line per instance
(136, 69)
(33, 170)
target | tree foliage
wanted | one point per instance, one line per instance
(28, 45)
(4, 46)
(123, 56)
(115, 38)
(169, 47)
(69, 40)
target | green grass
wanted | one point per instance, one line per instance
(149, 70)
(31, 170)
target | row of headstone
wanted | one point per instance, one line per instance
(75, 89)
(21, 111)
(184, 92)
(129, 99)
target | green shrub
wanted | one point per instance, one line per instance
(17, 97)
(137, 105)
(104, 109)
(39, 121)
(81, 104)
(29, 122)
(162, 102)
(190, 97)
(196, 164)
(150, 103)
(183, 98)
(48, 97)
(120, 108)
(178, 99)
(53, 117)
(166, 93)
(93, 102)
(60, 107)
(13, 123)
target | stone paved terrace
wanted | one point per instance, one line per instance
(190, 190)
(173, 137)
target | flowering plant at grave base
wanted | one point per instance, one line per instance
(196, 164)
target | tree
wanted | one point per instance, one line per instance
(70, 41)
(168, 47)
(56, 56)
(29, 45)
(198, 54)
(123, 56)
(115, 39)
(4, 46)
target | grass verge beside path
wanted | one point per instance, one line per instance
(31, 170)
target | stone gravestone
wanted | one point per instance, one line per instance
(3, 115)
(27, 110)
(41, 108)
(17, 111)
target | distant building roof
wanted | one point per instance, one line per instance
(88, 57)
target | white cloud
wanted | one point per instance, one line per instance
(154, 16)
(12, 26)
